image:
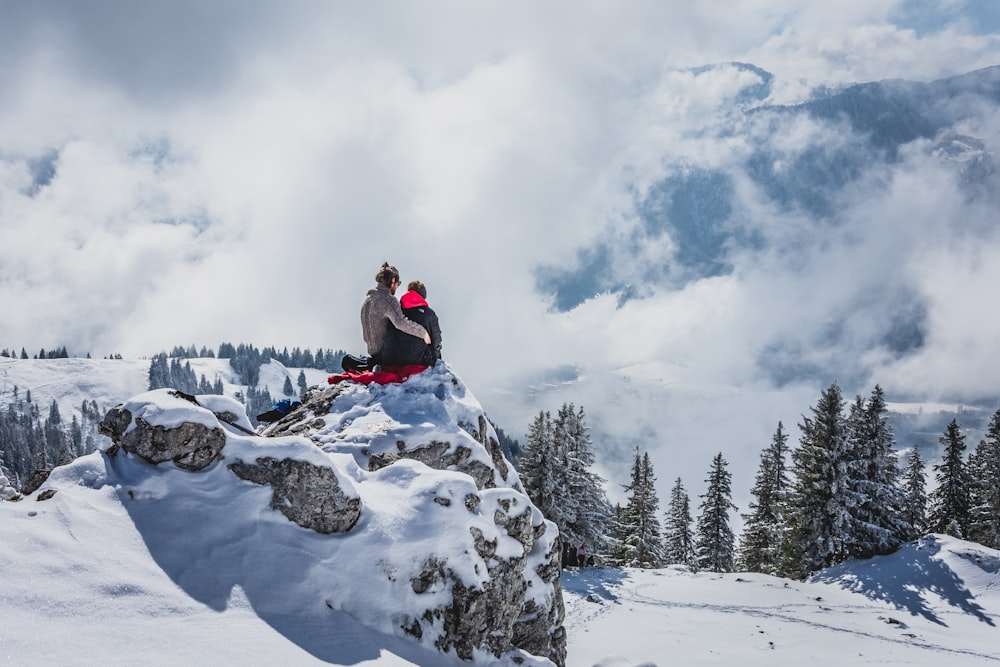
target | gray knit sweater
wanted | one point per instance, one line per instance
(379, 311)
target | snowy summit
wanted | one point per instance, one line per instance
(383, 512)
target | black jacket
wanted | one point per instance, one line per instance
(402, 349)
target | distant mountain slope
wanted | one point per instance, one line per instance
(702, 210)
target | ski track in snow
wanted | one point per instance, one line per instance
(582, 613)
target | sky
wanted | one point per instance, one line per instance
(198, 173)
(128, 563)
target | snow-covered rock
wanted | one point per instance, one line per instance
(7, 490)
(409, 517)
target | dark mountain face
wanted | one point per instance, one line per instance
(698, 212)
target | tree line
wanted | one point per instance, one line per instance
(841, 493)
(58, 353)
(28, 442)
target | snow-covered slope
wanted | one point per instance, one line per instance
(71, 381)
(118, 559)
(108, 381)
(934, 602)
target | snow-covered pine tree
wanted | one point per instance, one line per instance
(759, 546)
(287, 389)
(75, 438)
(817, 516)
(585, 510)
(182, 377)
(914, 511)
(640, 542)
(57, 448)
(256, 402)
(536, 463)
(678, 539)
(875, 498)
(949, 511)
(159, 372)
(714, 544)
(301, 381)
(984, 468)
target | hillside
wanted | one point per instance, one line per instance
(108, 381)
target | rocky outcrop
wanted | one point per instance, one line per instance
(468, 445)
(307, 494)
(191, 446)
(428, 513)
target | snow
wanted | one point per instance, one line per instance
(80, 583)
(102, 380)
(134, 564)
(936, 601)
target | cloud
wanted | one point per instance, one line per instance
(238, 171)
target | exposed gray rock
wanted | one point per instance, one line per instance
(35, 481)
(307, 419)
(491, 444)
(307, 494)
(190, 445)
(440, 456)
(539, 630)
(497, 616)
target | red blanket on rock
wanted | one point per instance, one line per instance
(385, 376)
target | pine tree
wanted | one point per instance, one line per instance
(56, 449)
(555, 471)
(257, 401)
(303, 385)
(537, 464)
(287, 389)
(984, 469)
(585, 507)
(714, 545)
(510, 447)
(159, 372)
(873, 494)
(818, 516)
(914, 511)
(759, 548)
(76, 438)
(678, 540)
(949, 512)
(640, 541)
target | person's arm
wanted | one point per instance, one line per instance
(401, 322)
(434, 328)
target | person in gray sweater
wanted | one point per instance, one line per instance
(380, 310)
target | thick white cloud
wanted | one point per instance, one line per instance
(238, 171)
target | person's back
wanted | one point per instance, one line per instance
(381, 314)
(403, 350)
